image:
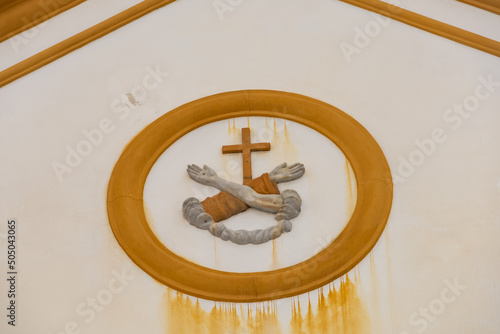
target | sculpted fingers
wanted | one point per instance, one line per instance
(209, 170)
(297, 165)
(193, 169)
(296, 171)
(278, 169)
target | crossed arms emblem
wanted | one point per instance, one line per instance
(261, 193)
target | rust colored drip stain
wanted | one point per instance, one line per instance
(340, 311)
(375, 305)
(287, 138)
(186, 316)
(275, 263)
(373, 273)
(351, 201)
(309, 314)
(288, 150)
(297, 321)
(149, 218)
(234, 135)
(216, 259)
(276, 143)
(389, 280)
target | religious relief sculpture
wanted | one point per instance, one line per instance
(261, 193)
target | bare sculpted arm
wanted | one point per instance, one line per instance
(207, 176)
(286, 206)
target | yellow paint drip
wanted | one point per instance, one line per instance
(351, 201)
(281, 144)
(287, 137)
(389, 280)
(234, 134)
(375, 303)
(275, 263)
(341, 311)
(216, 259)
(149, 218)
(186, 316)
(297, 321)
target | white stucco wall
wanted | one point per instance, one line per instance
(444, 223)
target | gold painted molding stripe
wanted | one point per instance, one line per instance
(81, 39)
(430, 25)
(18, 16)
(77, 41)
(489, 5)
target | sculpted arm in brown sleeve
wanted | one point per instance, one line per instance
(261, 194)
(264, 202)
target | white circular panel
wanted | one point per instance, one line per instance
(328, 192)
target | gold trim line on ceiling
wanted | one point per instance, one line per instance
(131, 14)
(489, 5)
(19, 16)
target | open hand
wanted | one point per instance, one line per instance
(284, 173)
(205, 175)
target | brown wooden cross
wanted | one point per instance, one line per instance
(246, 148)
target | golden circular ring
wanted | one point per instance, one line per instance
(131, 229)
